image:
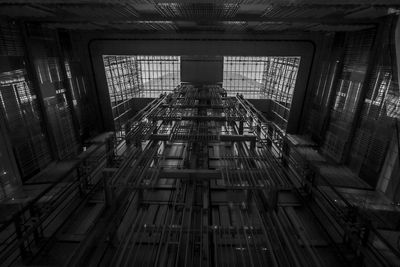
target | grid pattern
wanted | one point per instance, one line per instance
(271, 78)
(28, 137)
(379, 115)
(138, 76)
(347, 94)
(124, 83)
(244, 75)
(159, 74)
(261, 77)
(58, 110)
(279, 81)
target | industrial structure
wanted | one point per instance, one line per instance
(199, 133)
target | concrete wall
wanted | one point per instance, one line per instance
(202, 69)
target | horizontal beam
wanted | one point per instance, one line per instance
(195, 118)
(225, 138)
(156, 18)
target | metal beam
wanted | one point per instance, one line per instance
(210, 20)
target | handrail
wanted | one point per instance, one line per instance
(363, 217)
(48, 189)
(13, 239)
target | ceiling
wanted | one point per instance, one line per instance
(201, 15)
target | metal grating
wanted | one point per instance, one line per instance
(306, 15)
(101, 11)
(294, 11)
(198, 10)
(146, 26)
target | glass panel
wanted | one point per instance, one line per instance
(20, 107)
(138, 76)
(272, 78)
(57, 107)
(347, 94)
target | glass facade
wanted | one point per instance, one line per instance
(244, 75)
(138, 77)
(261, 77)
(272, 78)
(159, 74)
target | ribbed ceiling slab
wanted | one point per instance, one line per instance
(173, 15)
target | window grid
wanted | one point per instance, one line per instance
(159, 74)
(138, 76)
(123, 85)
(271, 78)
(243, 75)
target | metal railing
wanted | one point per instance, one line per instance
(31, 227)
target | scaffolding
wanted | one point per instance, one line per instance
(203, 178)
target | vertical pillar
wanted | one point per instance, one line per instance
(18, 231)
(240, 127)
(270, 132)
(285, 152)
(31, 73)
(108, 190)
(83, 175)
(75, 121)
(253, 144)
(155, 128)
(127, 135)
(110, 150)
(372, 62)
(35, 216)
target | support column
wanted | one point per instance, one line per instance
(31, 73)
(68, 89)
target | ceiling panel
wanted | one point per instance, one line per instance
(202, 15)
(99, 11)
(23, 11)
